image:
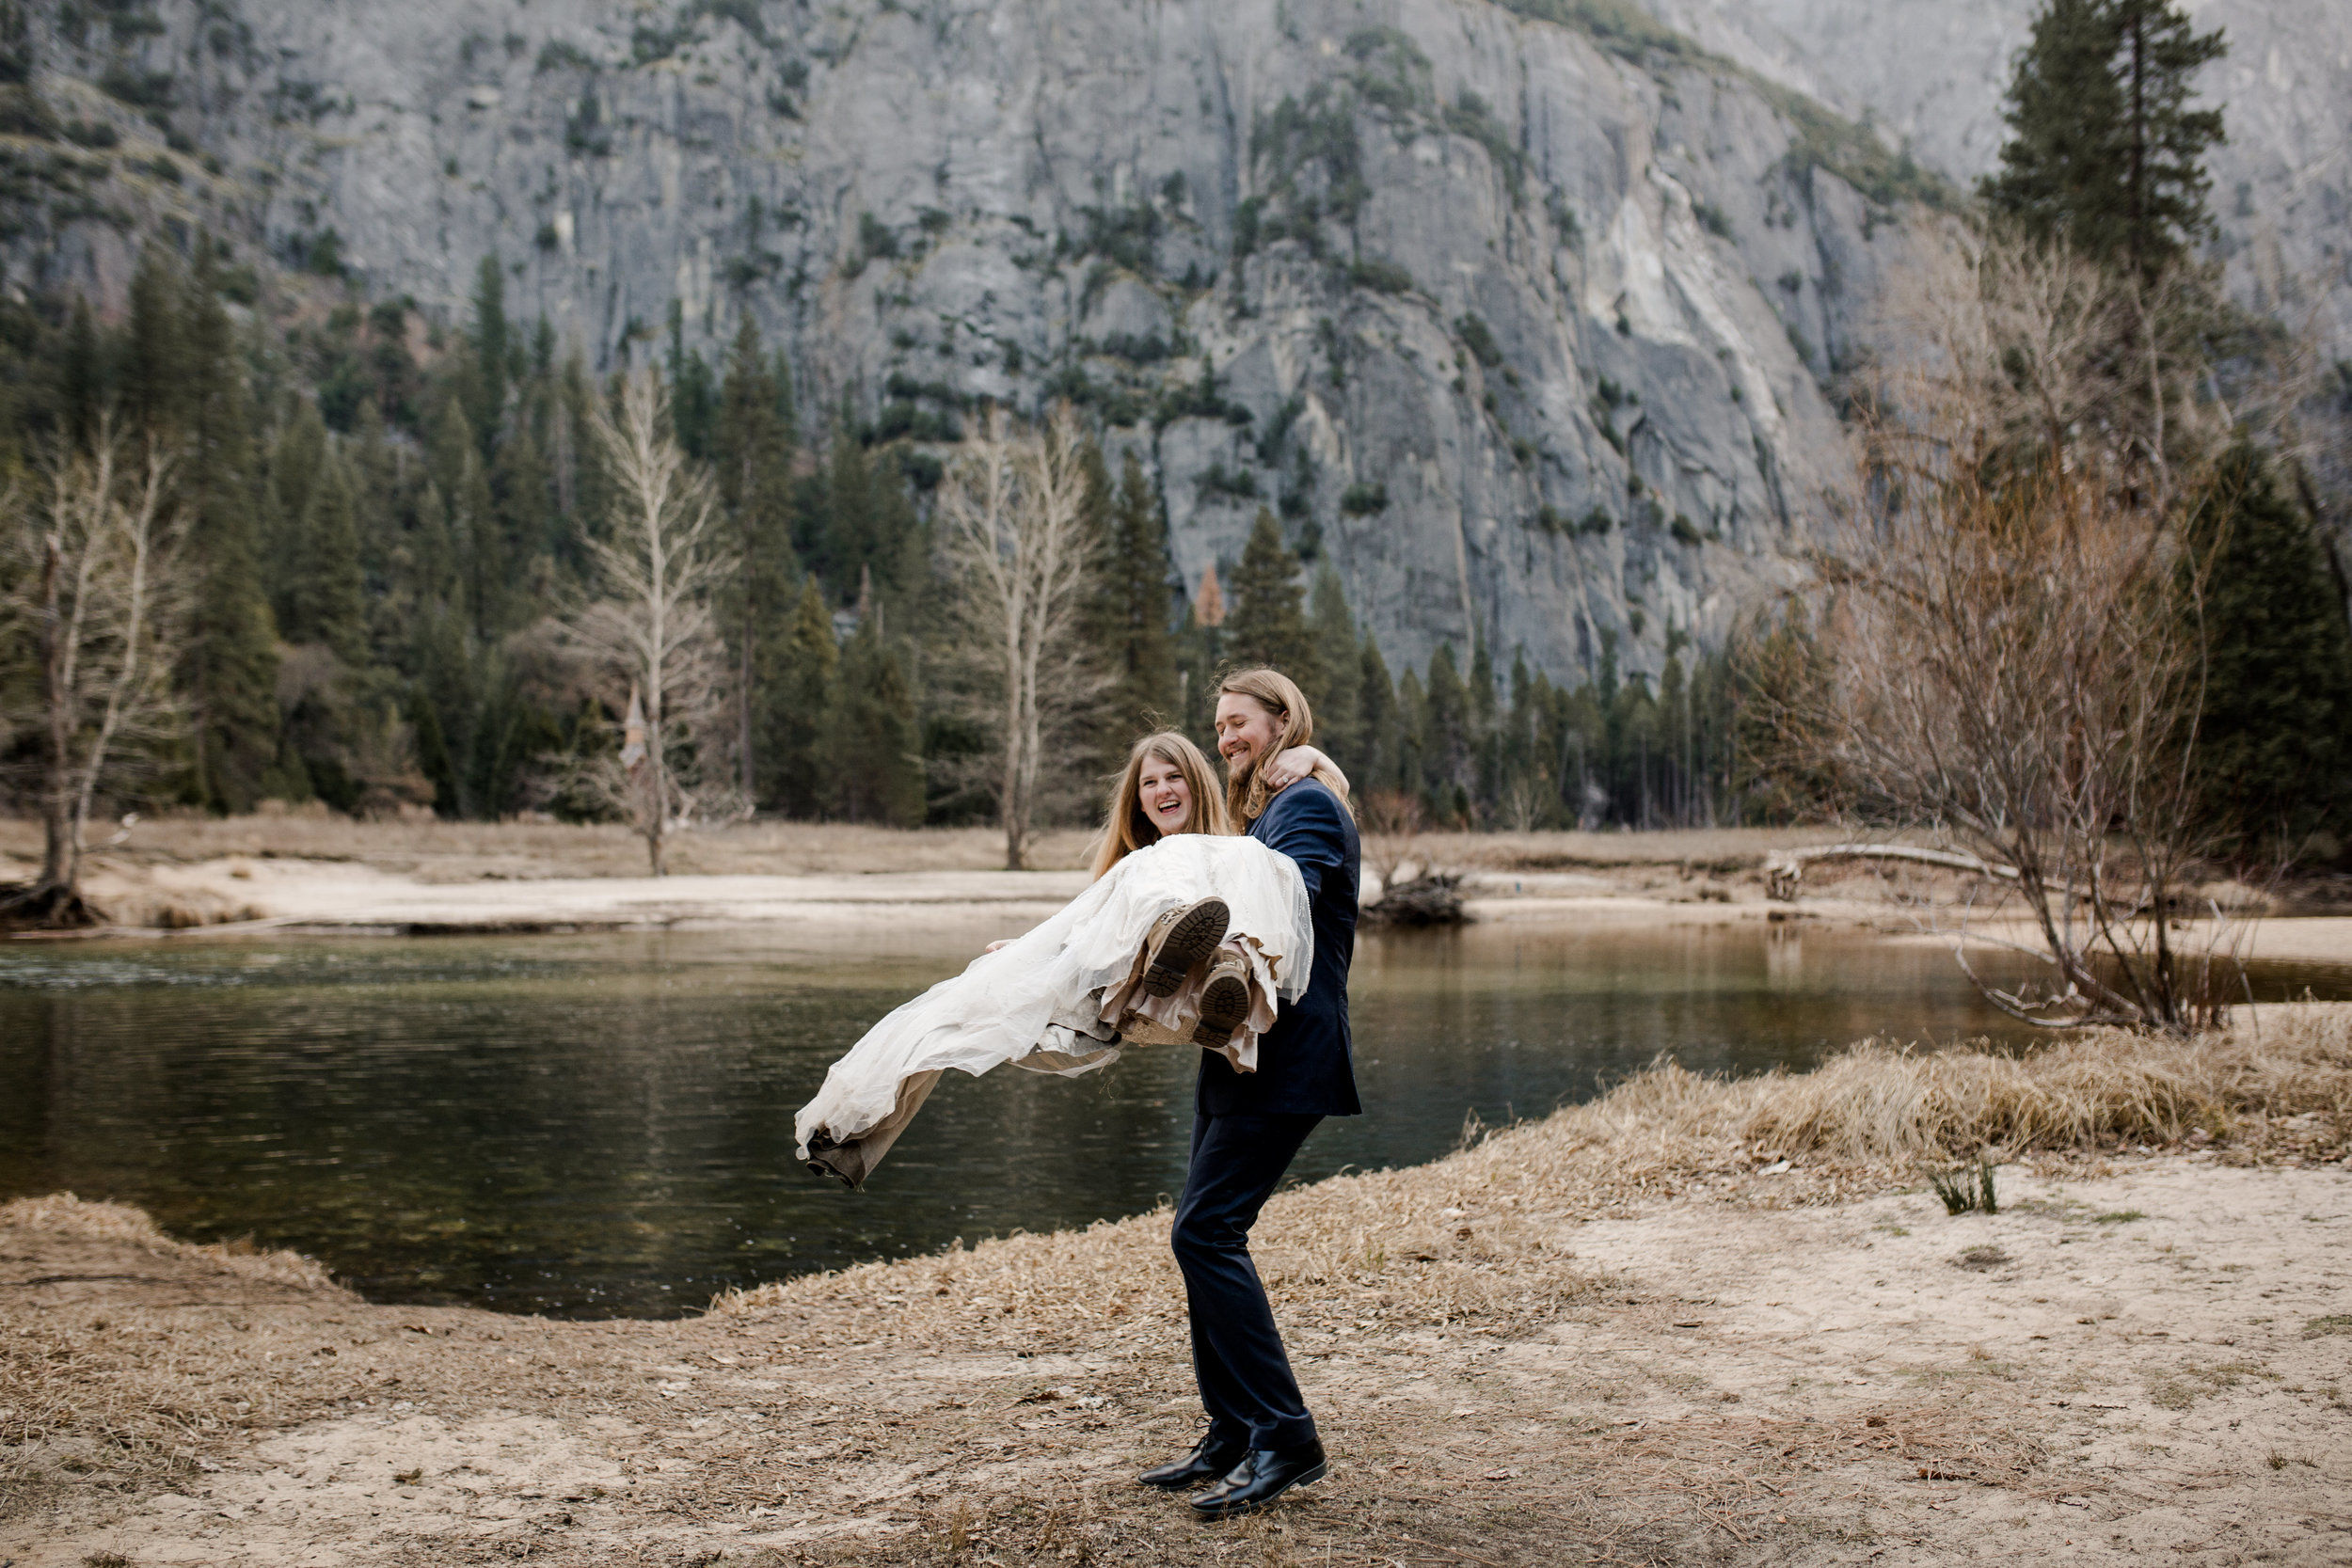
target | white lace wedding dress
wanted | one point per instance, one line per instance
(1051, 1001)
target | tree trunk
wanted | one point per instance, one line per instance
(60, 861)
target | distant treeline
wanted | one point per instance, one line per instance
(386, 516)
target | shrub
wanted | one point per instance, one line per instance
(1478, 337)
(142, 89)
(1363, 499)
(557, 54)
(1381, 277)
(1216, 480)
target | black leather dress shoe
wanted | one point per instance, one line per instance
(1263, 1475)
(1210, 1457)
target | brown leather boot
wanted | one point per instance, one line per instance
(1179, 939)
(1224, 1002)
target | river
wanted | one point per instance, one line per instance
(602, 1125)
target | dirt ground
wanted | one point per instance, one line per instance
(2137, 1357)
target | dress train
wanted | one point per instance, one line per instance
(1063, 998)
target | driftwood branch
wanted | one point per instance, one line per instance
(1785, 871)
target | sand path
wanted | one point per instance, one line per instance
(2146, 1361)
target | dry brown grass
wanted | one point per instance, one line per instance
(461, 851)
(116, 1394)
(793, 848)
(1474, 1238)
(64, 1215)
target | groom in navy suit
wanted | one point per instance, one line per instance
(1247, 1127)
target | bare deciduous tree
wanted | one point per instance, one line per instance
(95, 544)
(652, 632)
(2010, 650)
(1021, 552)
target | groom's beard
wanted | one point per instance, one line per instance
(1238, 779)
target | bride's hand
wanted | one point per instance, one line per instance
(1287, 768)
(1000, 942)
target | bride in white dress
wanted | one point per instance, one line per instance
(1189, 934)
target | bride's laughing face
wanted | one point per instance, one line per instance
(1167, 797)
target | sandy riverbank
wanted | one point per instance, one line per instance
(1629, 1333)
(267, 874)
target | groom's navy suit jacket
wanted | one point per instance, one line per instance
(1304, 1063)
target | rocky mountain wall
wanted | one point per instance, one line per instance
(1525, 332)
(1932, 72)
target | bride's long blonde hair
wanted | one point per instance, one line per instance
(1126, 826)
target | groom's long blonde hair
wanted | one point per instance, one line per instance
(1246, 794)
(1127, 826)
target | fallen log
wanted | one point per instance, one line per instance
(1784, 871)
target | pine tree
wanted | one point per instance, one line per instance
(1268, 624)
(2275, 741)
(1139, 648)
(752, 442)
(1338, 698)
(1379, 744)
(795, 701)
(325, 596)
(867, 530)
(230, 670)
(1447, 740)
(873, 740)
(482, 382)
(81, 376)
(693, 399)
(524, 500)
(294, 462)
(157, 378)
(2104, 149)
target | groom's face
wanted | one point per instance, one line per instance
(1245, 732)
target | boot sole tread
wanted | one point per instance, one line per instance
(1224, 1008)
(1194, 938)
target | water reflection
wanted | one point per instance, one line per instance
(602, 1125)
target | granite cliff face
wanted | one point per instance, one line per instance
(1524, 329)
(1932, 73)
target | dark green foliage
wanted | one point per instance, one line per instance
(484, 390)
(1230, 484)
(1122, 235)
(1380, 275)
(694, 391)
(561, 55)
(1619, 26)
(2274, 744)
(229, 668)
(1478, 339)
(1470, 115)
(1965, 1189)
(752, 451)
(323, 593)
(1268, 624)
(874, 240)
(584, 134)
(873, 738)
(1822, 139)
(1335, 686)
(796, 697)
(1137, 602)
(1365, 498)
(2104, 148)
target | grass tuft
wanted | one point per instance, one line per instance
(1968, 1188)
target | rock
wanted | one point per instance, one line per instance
(1523, 331)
